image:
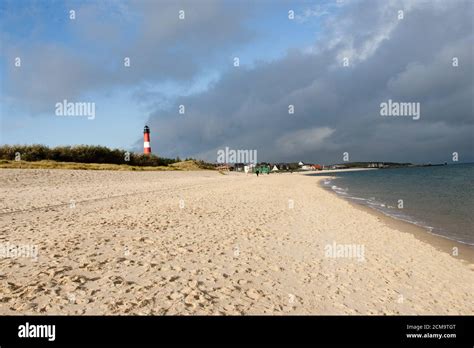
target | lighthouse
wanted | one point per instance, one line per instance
(146, 141)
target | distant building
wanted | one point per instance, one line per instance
(376, 165)
(239, 167)
(338, 166)
(309, 166)
(262, 168)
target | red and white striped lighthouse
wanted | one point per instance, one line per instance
(146, 141)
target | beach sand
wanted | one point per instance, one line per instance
(113, 242)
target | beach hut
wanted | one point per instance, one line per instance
(274, 169)
(262, 169)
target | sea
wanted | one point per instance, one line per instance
(437, 198)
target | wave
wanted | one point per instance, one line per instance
(387, 210)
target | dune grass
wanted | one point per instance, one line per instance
(47, 164)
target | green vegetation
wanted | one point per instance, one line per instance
(45, 164)
(89, 157)
(191, 164)
(80, 154)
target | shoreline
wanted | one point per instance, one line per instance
(442, 243)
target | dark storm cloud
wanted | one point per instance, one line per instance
(337, 109)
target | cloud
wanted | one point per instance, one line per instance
(336, 107)
(188, 63)
(318, 10)
(88, 57)
(303, 140)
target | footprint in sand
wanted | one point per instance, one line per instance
(253, 294)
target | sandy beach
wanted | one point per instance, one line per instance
(111, 242)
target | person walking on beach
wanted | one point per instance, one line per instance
(257, 172)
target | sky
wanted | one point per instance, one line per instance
(334, 62)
